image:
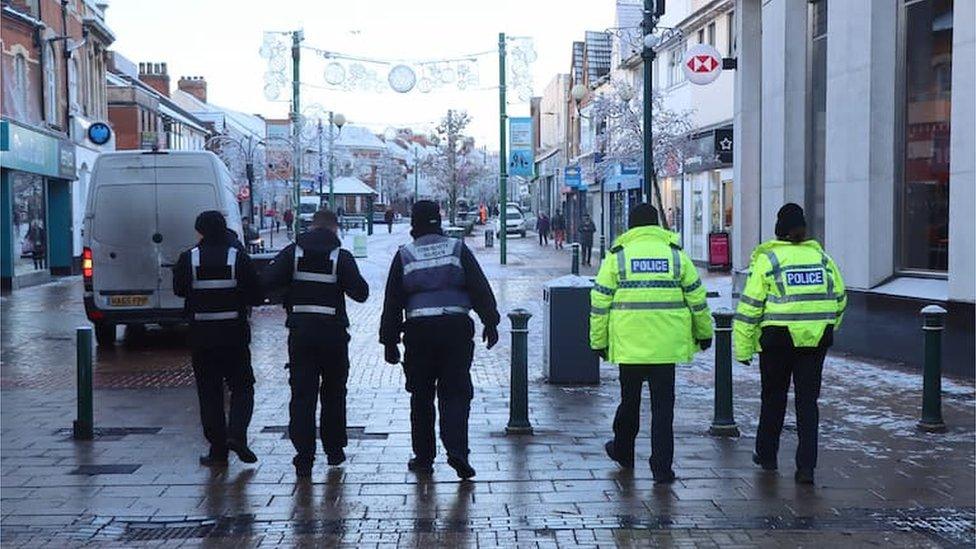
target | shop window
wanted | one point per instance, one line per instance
(30, 223)
(924, 193)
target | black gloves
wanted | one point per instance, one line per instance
(490, 336)
(392, 354)
(746, 362)
(602, 353)
(704, 344)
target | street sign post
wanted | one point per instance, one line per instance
(702, 64)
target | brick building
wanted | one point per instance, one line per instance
(53, 87)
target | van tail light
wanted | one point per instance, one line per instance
(87, 267)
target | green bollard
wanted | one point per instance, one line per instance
(576, 258)
(933, 323)
(723, 423)
(83, 426)
(518, 410)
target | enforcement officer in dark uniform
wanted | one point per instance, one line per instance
(434, 282)
(220, 284)
(316, 275)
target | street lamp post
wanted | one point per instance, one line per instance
(335, 119)
(248, 151)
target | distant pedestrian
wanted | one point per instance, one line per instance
(793, 301)
(586, 230)
(542, 227)
(559, 229)
(388, 217)
(317, 274)
(434, 282)
(220, 284)
(648, 311)
(287, 218)
(38, 244)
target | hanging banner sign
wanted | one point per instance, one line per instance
(521, 160)
(573, 177)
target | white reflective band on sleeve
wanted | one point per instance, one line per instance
(229, 315)
(437, 311)
(799, 316)
(431, 263)
(314, 309)
(621, 265)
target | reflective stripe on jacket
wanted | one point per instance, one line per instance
(796, 285)
(214, 288)
(433, 277)
(648, 305)
(314, 288)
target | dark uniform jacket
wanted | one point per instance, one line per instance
(317, 247)
(213, 265)
(475, 283)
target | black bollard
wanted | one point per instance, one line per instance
(518, 410)
(84, 426)
(723, 422)
(933, 324)
(576, 258)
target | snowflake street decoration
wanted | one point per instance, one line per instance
(275, 50)
(520, 55)
(348, 73)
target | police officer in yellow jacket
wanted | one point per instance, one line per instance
(793, 301)
(648, 311)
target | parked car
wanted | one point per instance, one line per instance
(139, 217)
(379, 213)
(514, 222)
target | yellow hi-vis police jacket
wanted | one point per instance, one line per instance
(648, 304)
(796, 285)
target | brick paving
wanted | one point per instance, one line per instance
(880, 481)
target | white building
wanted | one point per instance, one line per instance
(863, 112)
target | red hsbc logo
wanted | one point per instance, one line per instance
(703, 63)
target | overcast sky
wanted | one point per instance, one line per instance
(219, 40)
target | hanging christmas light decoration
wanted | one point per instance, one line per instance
(350, 73)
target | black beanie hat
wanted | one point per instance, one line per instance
(425, 214)
(642, 215)
(211, 224)
(789, 217)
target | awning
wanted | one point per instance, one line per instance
(622, 182)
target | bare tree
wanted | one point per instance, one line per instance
(622, 139)
(448, 166)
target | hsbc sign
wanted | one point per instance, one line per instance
(702, 64)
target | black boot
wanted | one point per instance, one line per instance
(303, 466)
(243, 452)
(336, 457)
(766, 465)
(612, 454)
(803, 476)
(420, 466)
(214, 458)
(461, 467)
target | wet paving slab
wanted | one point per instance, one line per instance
(880, 481)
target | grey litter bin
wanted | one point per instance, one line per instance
(566, 355)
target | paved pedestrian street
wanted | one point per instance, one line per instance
(880, 482)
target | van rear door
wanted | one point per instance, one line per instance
(186, 185)
(123, 225)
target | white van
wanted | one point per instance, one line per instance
(139, 217)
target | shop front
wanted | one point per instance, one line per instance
(704, 189)
(623, 191)
(36, 170)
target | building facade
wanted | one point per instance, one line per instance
(862, 112)
(53, 76)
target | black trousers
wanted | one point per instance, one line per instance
(317, 371)
(777, 364)
(543, 238)
(587, 252)
(626, 423)
(212, 368)
(437, 362)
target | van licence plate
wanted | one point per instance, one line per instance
(128, 300)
